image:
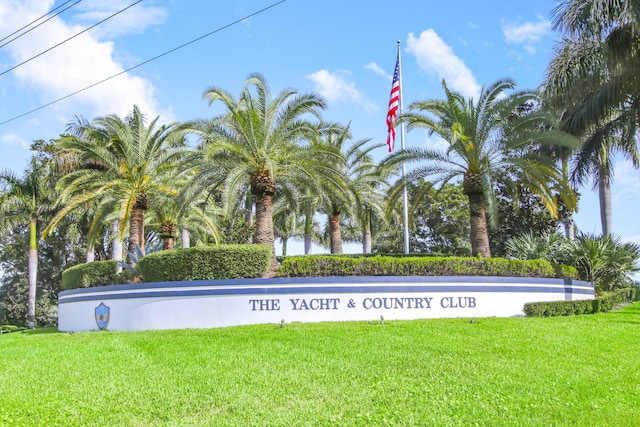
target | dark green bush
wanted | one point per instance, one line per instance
(603, 303)
(337, 265)
(558, 308)
(207, 263)
(97, 273)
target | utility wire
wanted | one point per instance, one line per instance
(145, 62)
(31, 29)
(72, 37)
(36, 20)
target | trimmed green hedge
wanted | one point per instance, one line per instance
(207, 263)
(602, 303)
(336, 265)
(97, 273)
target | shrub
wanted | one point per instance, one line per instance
(558, 308)
(603, 303)
(97, 273)
(207, 263)
(605, 261)
(337, 265)
(46, 312)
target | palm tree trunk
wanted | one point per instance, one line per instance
(264, 225)
(366, 234)
(334, 232)
(185, 238)
(91, 253)
(264, 219)
(308, 230)
(479, 233)
(116, 245)
(569, 228)
(604, 193)
(284, 246)
(248, 206)
(136, 230)
(167, 243)
(569, 224)
(33, 275)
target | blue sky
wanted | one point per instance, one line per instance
(344, 50)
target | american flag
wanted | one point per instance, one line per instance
(394, 102)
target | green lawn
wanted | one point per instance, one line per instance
(567, 371)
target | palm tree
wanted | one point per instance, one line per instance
(335, 197)
(134, 160)
(365, 183)
(169, 213)
(487, 142)
(548, 246)
(368, 183)
(84, 221)
(258, 143)
(351, 187)
(594, 76)
(604, 260)
(27, 201)
(287, 221)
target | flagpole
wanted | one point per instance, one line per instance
(405, 197)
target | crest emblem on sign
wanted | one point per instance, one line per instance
(102, 316)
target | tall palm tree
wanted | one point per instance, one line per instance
(84, 219)
(487, 142)
(258, 143)
(135, 159)
(27, 201)
(365, 183)
(351, 187)
(334, 198)
(594, 76)
(368, 184)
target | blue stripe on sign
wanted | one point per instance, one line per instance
(346, 280)
(293, 290)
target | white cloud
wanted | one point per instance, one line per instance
(336, 87)
(528, 33)
(437, 143)
(378, 70)
(435, 56)
(15, 140)
(72, 66)
(626, 182)
(134, 20)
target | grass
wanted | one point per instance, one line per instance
(570, 371)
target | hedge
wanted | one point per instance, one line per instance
(602, 303)
(97, 273)
(336, 265)
(207, 263)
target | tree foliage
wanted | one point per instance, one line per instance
(438, 221)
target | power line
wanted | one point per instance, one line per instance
(145, 62)
(31, 29)
(36, 20)
(72, 37)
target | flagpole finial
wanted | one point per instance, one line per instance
(398, 42)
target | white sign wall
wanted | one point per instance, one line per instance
(217, 303)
